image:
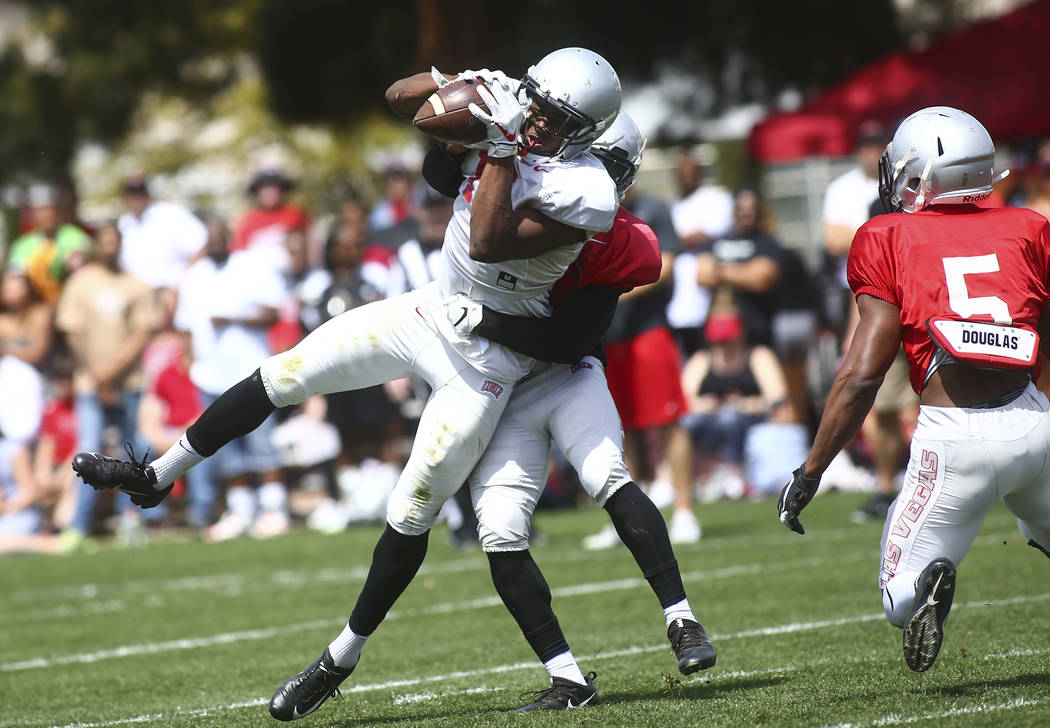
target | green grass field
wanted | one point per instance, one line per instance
(179, 633)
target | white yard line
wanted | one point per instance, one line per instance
(763, 631)
(897, 719)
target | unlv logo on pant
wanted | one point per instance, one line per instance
(493, 388)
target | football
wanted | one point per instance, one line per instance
(445, 115)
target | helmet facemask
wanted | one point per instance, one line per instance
(619, 167)
(572, 129)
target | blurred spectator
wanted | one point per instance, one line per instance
(170, 402)
(419, 258)
(26, 325)
(703, 212)
(304, 286)
(744, 267)
(264, 227)
(365, 418)
(795, 326)
(160, 239)
(227, 300)
(107, 315)
(22, 525)
(1039, 190)
(52, 250)
(729, 388)
(644, 374)
(22, 395)
(397, 204)
(847, 204)
(56, 445)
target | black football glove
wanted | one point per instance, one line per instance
(796, 495)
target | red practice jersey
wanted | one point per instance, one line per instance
(626, 256)
(960, 261)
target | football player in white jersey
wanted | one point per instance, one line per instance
(535, 193)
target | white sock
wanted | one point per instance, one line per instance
(241, 502)
(273, 496)
(679, 610)
(179, 458)
(346, 648)
(564, 666)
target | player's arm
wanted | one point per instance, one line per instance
(405, 96)
(441, 167)
(583, 318)
(875, 345)
(498, 232)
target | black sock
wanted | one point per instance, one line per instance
(642, 529)
(395, 561)
(524, 591)
(237, 411)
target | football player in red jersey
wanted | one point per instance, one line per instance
(965, 289)
(568, 402)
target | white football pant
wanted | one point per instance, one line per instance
(385, 340)
(962, 461)
(570, 404)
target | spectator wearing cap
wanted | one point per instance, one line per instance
(159, 239)
(263, 228)
(729, 387)
(397, 204)
(52, 249)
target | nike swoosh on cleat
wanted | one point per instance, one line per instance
(930, 601)
(581, 704)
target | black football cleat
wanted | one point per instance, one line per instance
(307, 691)
(933, 600)
(134, 477)
(562, 695)
(691, 646)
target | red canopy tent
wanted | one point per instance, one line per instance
(998, 70)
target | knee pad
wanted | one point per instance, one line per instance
(283, 380)
(603, 472)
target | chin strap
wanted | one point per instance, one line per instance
(924, 186)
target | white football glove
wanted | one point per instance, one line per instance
(503, 121)
(464, 313)
(488, 77)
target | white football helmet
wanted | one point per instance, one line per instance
(938, 156)
(620, 149)
(583, 87)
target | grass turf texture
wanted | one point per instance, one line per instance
(180, 633)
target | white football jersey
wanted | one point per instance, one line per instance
(576, 192)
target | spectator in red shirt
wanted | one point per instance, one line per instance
(272, 217)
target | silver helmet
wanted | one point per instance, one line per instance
(938, 156)
(583, 87)
(620, 149)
